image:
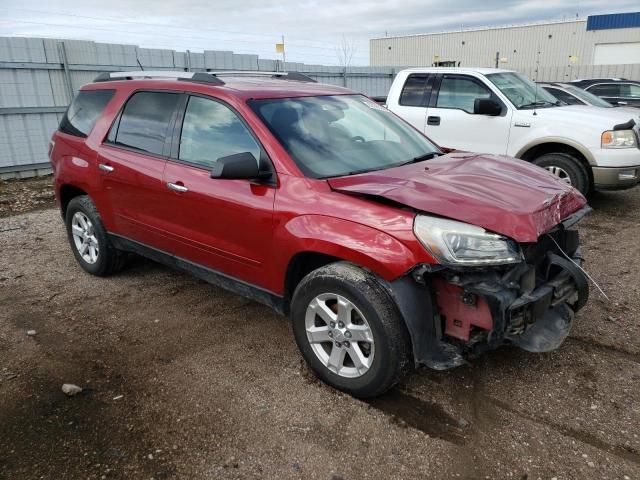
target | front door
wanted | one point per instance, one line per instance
(223, 224)
(451, 122)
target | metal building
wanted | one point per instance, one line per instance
(598, 40)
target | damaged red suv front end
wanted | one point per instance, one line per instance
(507, 266)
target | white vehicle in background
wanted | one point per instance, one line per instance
(496, 111)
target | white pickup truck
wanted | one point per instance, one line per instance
(501, 112)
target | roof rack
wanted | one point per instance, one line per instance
(203, 77)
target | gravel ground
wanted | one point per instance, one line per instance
(184, 380)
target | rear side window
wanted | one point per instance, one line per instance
(84, 111)
(212, 130)
(144, 123)
(413, 92)
(631, 90)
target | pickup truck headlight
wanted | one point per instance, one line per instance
(463, 244)
(619, 139)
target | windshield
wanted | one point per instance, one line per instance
(521, 91)
(330, 136)
(585, 96)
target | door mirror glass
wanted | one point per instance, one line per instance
(237, 166)
(486, 106)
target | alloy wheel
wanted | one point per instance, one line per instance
(561, 173)
(339, 335)
(84, 238)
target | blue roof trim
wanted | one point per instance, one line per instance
(613, 20)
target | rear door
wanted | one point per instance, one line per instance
(223, 224)
(451, 122)
(414, 98)
(131, 163)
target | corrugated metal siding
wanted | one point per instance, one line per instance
(613, 20)
(556, 42)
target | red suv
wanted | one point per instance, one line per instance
(318, 202)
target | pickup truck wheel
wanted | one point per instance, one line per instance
(88, 239)
(566, 167)
(349, 330)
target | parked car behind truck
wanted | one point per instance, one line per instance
(502, 112)
(320, 203)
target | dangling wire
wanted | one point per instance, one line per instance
(582, 269)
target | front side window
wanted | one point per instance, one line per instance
(212, 130)
(84, 111)
(414, 91)
(329, 136)
(460, 93)
(144, 124)
(522, 92)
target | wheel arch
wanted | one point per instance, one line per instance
(66, 193)
(560, 145)
(318, 240)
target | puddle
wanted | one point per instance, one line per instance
(427, 417)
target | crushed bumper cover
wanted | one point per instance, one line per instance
(452, 314)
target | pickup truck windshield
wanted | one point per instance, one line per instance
(522, 92)
(330, 136)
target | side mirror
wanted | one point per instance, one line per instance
(238, 166)
(486, 106)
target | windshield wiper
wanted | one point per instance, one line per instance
(421, 158)
(540, 103)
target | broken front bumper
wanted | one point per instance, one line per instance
(468, 311)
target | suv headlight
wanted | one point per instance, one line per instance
(618, 139)
(463, 244)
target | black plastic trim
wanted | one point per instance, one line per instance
(209, 275)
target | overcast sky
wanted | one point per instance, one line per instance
(313, 29)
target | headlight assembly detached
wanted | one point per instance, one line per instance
(619, 139)
(459, 243)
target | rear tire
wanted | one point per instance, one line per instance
(567, 168)
(375, 344)
(88, 239)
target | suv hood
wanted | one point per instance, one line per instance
(500, 194)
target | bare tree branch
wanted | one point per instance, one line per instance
(345, 52)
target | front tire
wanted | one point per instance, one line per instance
(88, 239)
(566, 167)
(349, 330)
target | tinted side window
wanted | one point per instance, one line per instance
(606, 90)
(460, 93)
(84, 111)
(145, 121)
(631, 90)
(413, 92)
(564, 96)
(212, 130)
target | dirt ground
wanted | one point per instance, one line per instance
(184, 380)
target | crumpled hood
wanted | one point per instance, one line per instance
(500, 194)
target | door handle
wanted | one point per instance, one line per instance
(433, 120)
(105, 168)
(176, 187)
